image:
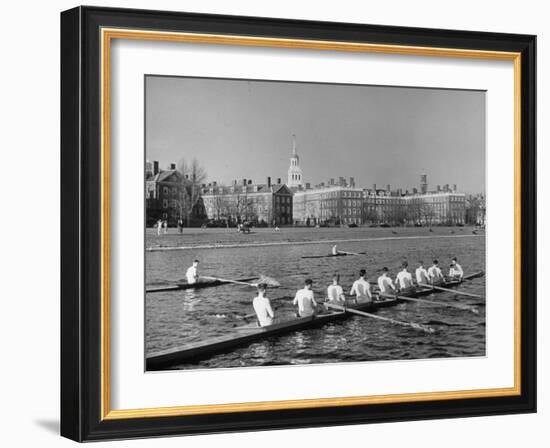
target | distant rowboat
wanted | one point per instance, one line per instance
(242, 336)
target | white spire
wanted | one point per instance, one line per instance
(294, 171)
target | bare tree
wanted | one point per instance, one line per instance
(428, 214)
(194, 175)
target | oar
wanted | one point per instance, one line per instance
(431, 302)
(387, 319)
(263, 279)
(456, 291)
(351, 253)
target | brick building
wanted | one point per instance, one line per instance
(169, 196)
(266, 204)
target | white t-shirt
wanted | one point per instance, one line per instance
(435, 273)
(385, 284)
(361, 289)
(456, 271)
(305, 301)
(404, 279)
(192, 275)
(264, 312)
(335, 293)
(422, 275)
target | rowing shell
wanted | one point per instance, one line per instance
(339, 254)
(245, 335)
(198, 285)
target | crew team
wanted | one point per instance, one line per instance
(306, 305)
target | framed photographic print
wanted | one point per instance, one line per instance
(273, 223)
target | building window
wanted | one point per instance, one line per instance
(164, 203)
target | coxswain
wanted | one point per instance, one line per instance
(192, 273)
(305, 301)
(262, 307)
(455, 270)
(422, 275)
(335, 293)
(385, 283)
(361, 288)
(404, 279)
(436, 276)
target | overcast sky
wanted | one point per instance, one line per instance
(385, 135)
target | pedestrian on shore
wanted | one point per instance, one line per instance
(159, 227)
(165, 226)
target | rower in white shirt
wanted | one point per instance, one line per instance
(192, 273)
(305, 301)
(404, 279)
(262, 307)
(436, 276)
(384, 283)
(361, 288)
(455, 270)
(335, 249)
(422, 275)
(335, 293)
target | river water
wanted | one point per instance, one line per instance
(180, 317)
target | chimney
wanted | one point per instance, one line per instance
(249, 181)
(214, 183)
(268, 181)
(439, 188)
(172, 166)
(352, 182)
(308, 185)
(454, 188)
(234, 181)
(388, 187)
(278, 181)
(374, 187)
(415, 191)
(244, 182)
(155, 167)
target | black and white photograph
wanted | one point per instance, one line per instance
(292, 223)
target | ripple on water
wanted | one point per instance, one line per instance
(179, 317)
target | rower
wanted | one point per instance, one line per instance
(436, 276)
(422, 275)
(361, 288)
(404, 279)
(192, 273)
(384, 282)
(335, 250)
(455, 270)
(335, 293)
(305, 300)
(262, 307)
